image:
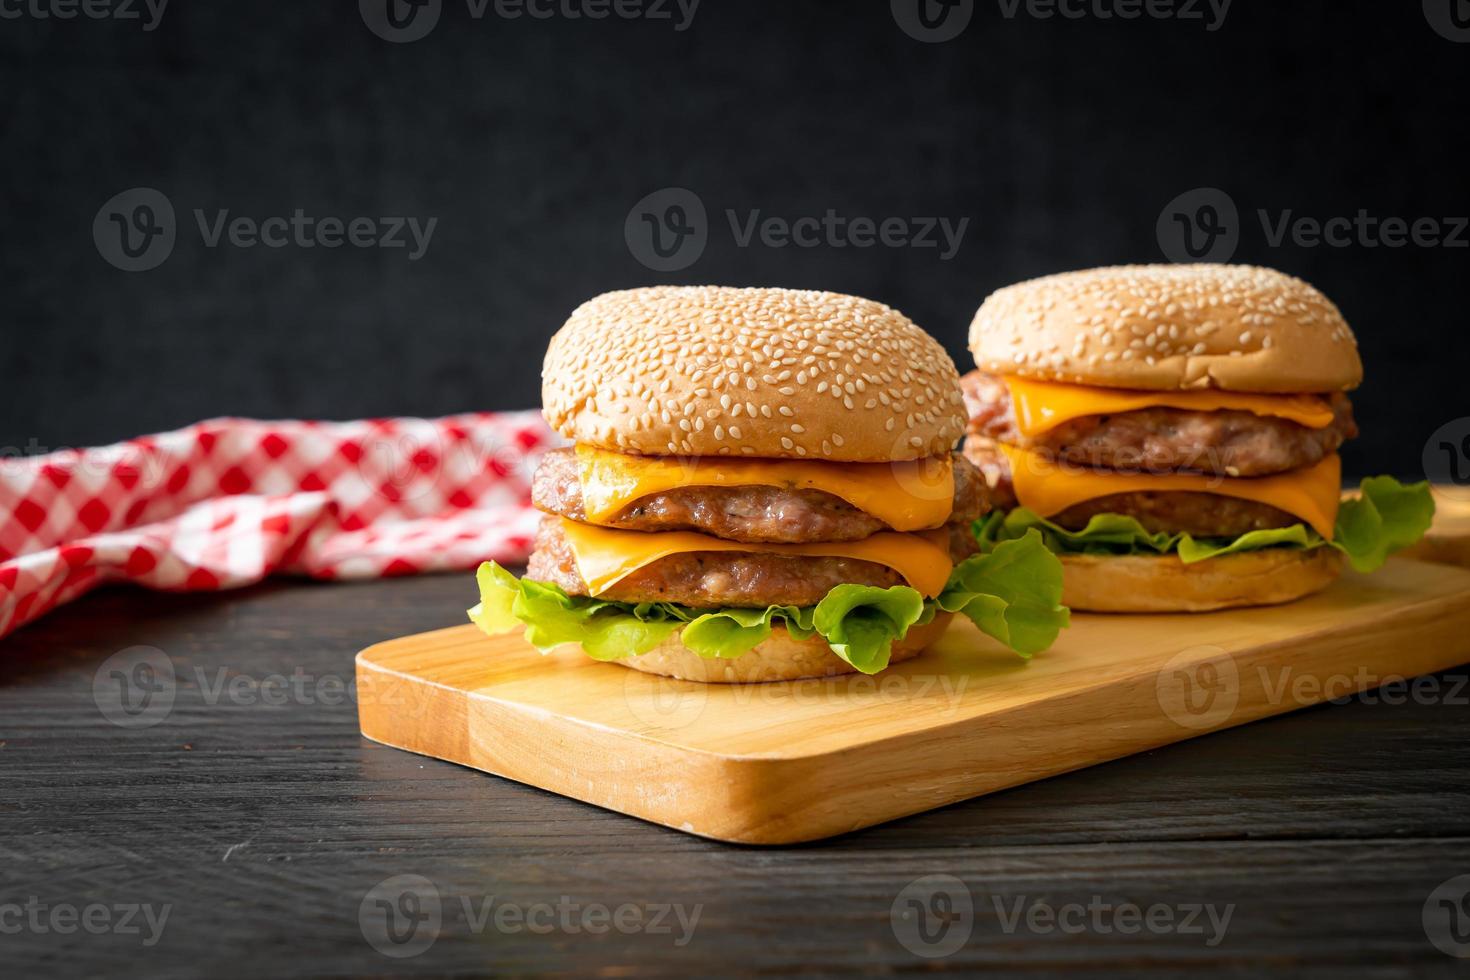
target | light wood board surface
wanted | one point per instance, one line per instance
(797, 761)
(1448, 540)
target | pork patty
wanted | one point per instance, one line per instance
(722, 579)
(1203, 515)
(1163, 440)
(760, 515)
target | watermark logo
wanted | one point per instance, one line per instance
(1199, 688)
(667, 230)
(834, 230)
(1447, 457)
(1449, 18)
(1284, 685)
(149, 13)
(275, 690)
(1211, 13)
(933, 21)
(933, 916)
(406, 459)
(1201, 225)
(405, 21)
(1204, 225)
(147, 466)
(39, 918)
(401, 916)
(662, 703)
(135, 688)
(307, 231)
(1446, 917)
(401, 21)
(665, 704)
(1101, 917)
(135, 230)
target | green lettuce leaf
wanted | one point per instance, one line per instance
(1013, 592)
(730, 633)
(1385, 517)
(1013, 595)
(606, 630)
(861, 622)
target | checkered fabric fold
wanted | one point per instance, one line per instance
(226, 502)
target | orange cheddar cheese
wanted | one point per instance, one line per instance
(907, 496)
(606, 556)
(1047, 487)
(1041, 406)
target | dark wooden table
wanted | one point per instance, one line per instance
(254, 815)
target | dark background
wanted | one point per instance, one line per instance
(531, 140)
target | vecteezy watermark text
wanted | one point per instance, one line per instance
(935, 915)
(305, 231)
(664, 704)
(137, 230)
(937, 21)
(669, 229)
(1211, 13)
(404, 21)
(139, 687)
(404, 915)
(1101, 917)
(1204, 225)
(95, 919)
(147, 12)
(1201, 687)
(834, 230)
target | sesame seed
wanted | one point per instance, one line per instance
(1022, 329)
(777, 348)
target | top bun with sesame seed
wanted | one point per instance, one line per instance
(773, 373)
(1160, 327)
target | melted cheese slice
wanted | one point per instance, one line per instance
(1041, 406)
(1313, 494)
(907, 496)
(606, 556)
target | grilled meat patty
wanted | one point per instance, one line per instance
(718, 579)
(1174, 511)
(1163, 440)
(764, 515)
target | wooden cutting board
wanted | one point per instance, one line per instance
(1448, 541)
(797, 761)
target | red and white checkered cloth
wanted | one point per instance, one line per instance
(225, 503)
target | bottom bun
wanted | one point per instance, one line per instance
(1164, 583)
(780, 657)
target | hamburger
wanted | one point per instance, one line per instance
(1172, 432)
(762, 484)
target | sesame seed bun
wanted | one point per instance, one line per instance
(779, 373)
(1230, 327)
(1164, 583)
(780, 658)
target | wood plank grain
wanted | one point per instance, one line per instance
(1448, 540)
(264, 826)
(787, 762)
